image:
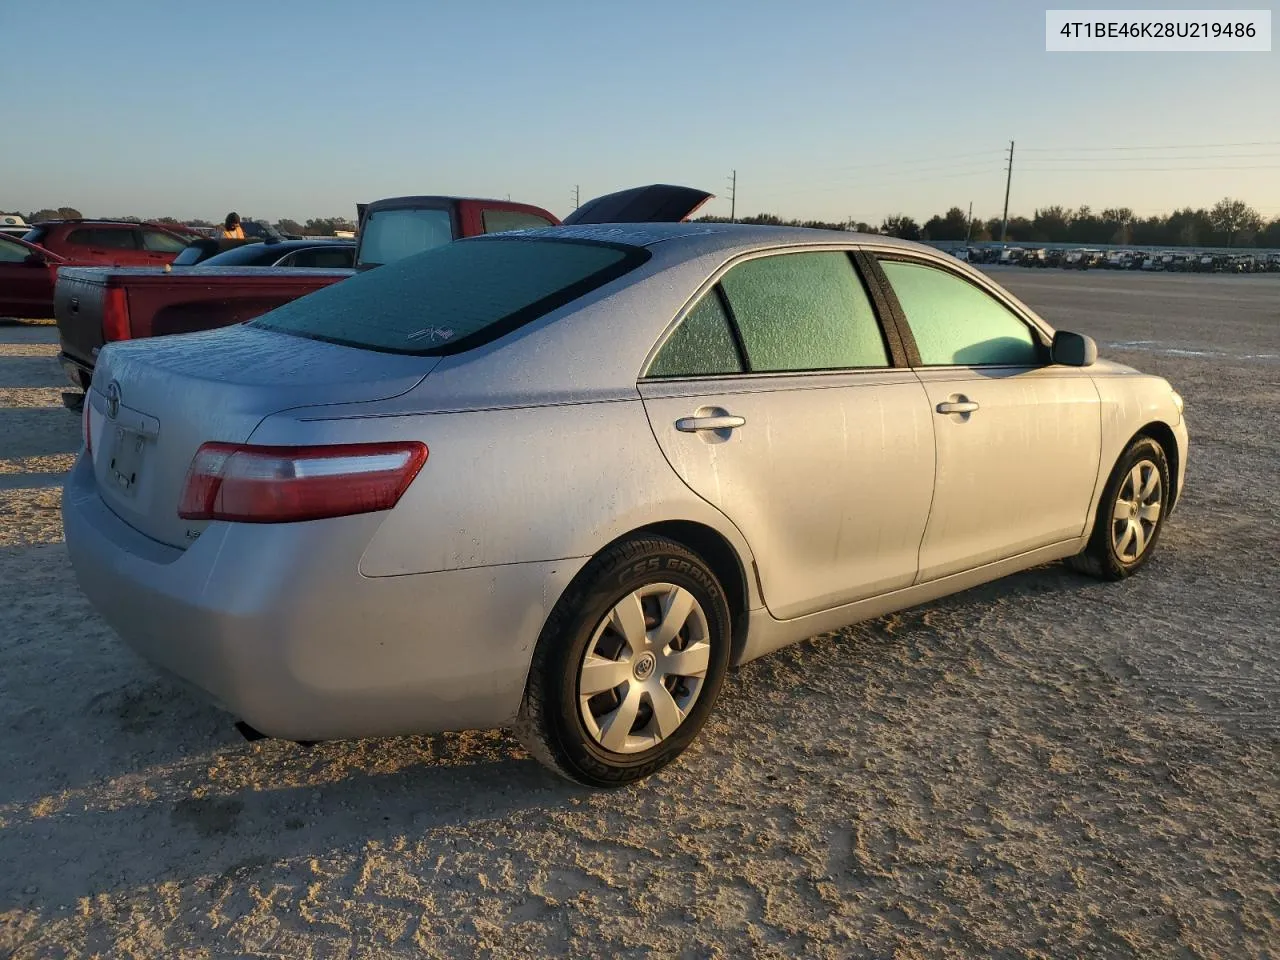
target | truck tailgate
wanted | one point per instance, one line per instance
(77, 307)
(156, 302)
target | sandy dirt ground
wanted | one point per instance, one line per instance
(1043, 767)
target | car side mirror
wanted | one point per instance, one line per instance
(1074, 349)
(35, 260)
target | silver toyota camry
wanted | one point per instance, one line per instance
(560, 480)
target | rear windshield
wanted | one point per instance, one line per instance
(188, 256)
(455, 297)
(247, 255)
(396, 233)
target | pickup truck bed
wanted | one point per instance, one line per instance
(95, 304)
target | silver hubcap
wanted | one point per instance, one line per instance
(644, 668)
(1137, 511)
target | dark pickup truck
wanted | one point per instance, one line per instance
(94, 306)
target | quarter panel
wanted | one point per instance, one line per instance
(516, 485)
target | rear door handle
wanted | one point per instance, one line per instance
(957, 406)
(694, 424)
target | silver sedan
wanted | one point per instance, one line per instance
(561, 479)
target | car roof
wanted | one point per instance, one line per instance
(696, 238)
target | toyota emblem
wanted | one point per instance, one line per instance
(113, 399)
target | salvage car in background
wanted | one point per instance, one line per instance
(561, 479)
(94, 307)
(27, 277)
(119, 243)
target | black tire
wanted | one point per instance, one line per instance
(1100, 558)
(550, 724)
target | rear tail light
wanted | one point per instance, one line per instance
(115, 314)
(250, 484)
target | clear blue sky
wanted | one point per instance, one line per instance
(827, 108)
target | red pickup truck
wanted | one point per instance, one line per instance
(93, 306)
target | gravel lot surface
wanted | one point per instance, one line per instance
(1043, 767)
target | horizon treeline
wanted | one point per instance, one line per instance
(1228, 223)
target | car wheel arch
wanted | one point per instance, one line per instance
(716, 550)
(1163, 434)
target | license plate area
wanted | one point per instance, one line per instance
(128, 451)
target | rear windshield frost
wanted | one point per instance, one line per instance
(454, 297)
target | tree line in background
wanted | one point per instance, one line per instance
(315, 227)
(1229, 223)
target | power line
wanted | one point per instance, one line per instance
(1149, 169)
(1206, 156)
(941, 172)
(951, 157)
(1174, 146)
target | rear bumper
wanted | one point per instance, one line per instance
(276, 624)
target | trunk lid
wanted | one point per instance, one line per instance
(656, 203)
(154, 402)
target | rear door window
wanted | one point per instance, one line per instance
(320, 257)
(956, 323)
(496, 221)
(391, 235)
(122, 239)
(11, 252)
(160, 242)
(702, 346)
(804, 311)
(456, 296)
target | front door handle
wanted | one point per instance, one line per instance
(723, 422)
(957, 404)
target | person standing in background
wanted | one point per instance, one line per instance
(231, 229)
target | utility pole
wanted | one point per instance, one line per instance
(968, 230)
(1004, 223)
(576, 196)
(733, 197)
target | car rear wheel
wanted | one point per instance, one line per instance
(628, 666)
(1130, 513)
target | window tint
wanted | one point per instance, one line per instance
(455, 297)
(35, 235)
(391, 235)
(159, 242)
(121, 239)
(321, 257)
(495, 221)
(955, 322)
(254, 253)
(804, 311)
(11, 252)
(701, 346)
(189, 255)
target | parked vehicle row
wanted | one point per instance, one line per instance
(95, 306)
(1090, 259)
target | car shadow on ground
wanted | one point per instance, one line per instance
(155, 786)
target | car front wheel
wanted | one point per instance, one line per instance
(1131, 513)
(628, 666)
